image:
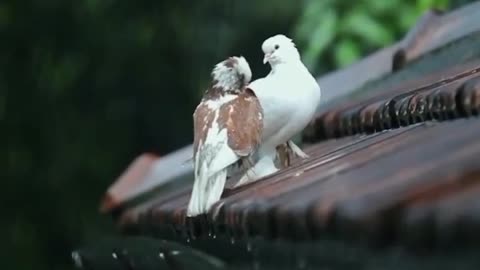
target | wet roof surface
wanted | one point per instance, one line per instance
(367, 185)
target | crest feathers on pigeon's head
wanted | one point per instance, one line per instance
(231, 74)
(279, 49)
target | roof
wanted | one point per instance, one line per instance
(393, 158)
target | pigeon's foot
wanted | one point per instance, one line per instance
(248, 177)
(299, 152)
(263, 167)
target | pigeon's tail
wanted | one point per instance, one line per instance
(207, 189)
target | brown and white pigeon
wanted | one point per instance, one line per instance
(289, 96)
(228, 124)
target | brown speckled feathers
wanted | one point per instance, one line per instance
(242, 117)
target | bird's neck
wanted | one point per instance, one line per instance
(217, 90)
(226, 83)
(287, 66)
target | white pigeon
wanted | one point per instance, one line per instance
(227, 130)
(289, 96)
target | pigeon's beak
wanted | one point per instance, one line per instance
(266, 57)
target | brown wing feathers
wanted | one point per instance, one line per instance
(242, 117)
(243, 120)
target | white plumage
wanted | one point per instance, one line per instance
(289, 96)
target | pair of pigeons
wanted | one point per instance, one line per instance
(239, 124)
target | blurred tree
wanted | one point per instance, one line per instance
(334, 33)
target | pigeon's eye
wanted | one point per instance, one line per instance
(276, 47)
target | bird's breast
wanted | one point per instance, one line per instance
(288, 104)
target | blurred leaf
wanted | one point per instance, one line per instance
(311, 18)
(346, 52)
(424, 5)
(58, 75)
(372, 23)
(408, 18)
(364, 26)
(96, 6)
(382, 7)
(146, 33)
(320, 38)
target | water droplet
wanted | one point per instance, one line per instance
(77, 259)
(214, 236)
(297, 174)
(175, 252)
(114, 255)
(249, 246)
(232, 240)
(209, 234)
(188, 240)
(161, 255)
(301, 263)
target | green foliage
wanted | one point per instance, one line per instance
(333, 34)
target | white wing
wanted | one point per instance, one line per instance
(211, 160)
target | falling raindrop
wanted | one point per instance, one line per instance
(161, 255)
(214, 236)
(255, 252)
(232, 241)
(175, 252)
(114, 255)
(301, 263)
(188, 239)
(77, 259)
(249, 246)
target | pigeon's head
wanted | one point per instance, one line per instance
(279, 49)
(232, 74)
